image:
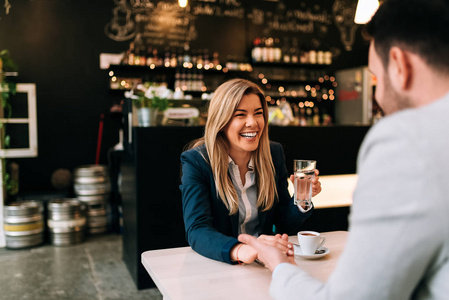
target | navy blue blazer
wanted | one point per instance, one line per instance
(210, 230)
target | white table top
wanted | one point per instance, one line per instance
(181, 273)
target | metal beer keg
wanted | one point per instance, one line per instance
(92, 187)
(66, 221)
(24, 224)
(91, 180)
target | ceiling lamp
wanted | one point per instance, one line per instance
(365, 11)
(182, 3)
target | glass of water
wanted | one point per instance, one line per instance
(304, 173)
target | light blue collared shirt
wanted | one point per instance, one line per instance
(247, 194)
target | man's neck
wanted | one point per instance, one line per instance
(428, 85)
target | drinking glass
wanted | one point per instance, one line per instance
(304, 173)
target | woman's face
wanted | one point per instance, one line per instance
(245, 127)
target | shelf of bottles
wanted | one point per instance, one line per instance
(289, 74)
(296, 76)
(270, 50)
(181, 69)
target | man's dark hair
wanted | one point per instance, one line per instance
(418, 26)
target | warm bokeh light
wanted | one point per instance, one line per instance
(365, 11)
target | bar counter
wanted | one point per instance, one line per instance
(150, 171)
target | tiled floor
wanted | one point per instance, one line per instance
(90, 270)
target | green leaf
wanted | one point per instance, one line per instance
(7, 141)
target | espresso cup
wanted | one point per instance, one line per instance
(310, 241)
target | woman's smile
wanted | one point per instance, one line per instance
(244, 129)
(248, 135)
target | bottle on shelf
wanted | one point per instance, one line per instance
(173, 59)
(309, 116)
(125, 56)
(316, 116)
(320, 57)
(187, 57)
(294, 55)
(206, 59)
(177, 81)
(277, 51)
(327, 119)
(312, 56)
(302, 117)
(270, 49)
(180, 57)
(143, 55)
(183, 80)
(159, 59)
(199, 60)
(264, 47)
(327, 57)
(215, 59)
(304, 56)
(167, 57)
(149, 61)
(189, 81)
(256, 52)
(131, 54)
(139, 46)
(286, 52)
(194, 58)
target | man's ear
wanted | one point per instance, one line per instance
(399, 68)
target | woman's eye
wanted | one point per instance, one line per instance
(239, 115)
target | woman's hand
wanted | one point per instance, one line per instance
(279, 241)
(316, 184)
(270, 256)
(243, 253)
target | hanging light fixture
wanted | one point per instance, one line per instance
(365, 11)
(182, 3)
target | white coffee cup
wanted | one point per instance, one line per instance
(310, 241)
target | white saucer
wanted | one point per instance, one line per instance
(299, 253)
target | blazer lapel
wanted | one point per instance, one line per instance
(262, 216)
(235, 224)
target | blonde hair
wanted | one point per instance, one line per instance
(222, 106)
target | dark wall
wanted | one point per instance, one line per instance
(57, 46)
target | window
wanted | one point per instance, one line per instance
(22, 125)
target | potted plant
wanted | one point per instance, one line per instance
(149, 99)
(7, 89)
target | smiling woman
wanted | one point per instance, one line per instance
(234, 180)
(244, 129)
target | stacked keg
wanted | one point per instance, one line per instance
(66, 221)
(92, 187)
(24, 224)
